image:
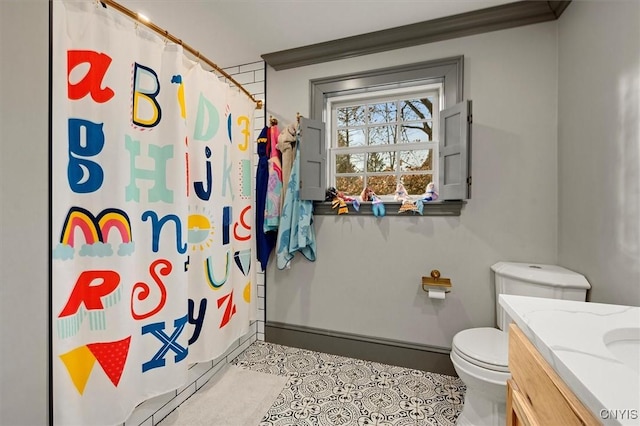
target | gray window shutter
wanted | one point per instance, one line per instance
(313, 160)
(455, 139)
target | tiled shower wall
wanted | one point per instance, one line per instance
(252, 78)
(152, 411)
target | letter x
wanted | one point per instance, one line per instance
(168, 342)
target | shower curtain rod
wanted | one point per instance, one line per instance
(166, 34)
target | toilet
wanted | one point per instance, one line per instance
(480, 355)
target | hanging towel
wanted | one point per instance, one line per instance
(296, 231)
(265, 241)
(274, 185)
(286, 145)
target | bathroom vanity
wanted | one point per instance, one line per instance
(535, 393)
(572, 362)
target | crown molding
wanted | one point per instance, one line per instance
(465, 24)
(558, 7)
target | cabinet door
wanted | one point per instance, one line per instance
(519, 412)
(537, 384)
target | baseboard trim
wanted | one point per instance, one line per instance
(404, 354)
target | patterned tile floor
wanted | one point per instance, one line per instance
(327, 390)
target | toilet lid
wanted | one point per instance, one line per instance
(486, 347)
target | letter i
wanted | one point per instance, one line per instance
(186, 160)
(226, 223)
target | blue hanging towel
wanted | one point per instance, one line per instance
(296, 231)
(265, 241)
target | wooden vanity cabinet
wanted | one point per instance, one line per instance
(536, 395)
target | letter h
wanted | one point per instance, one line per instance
(160, 155)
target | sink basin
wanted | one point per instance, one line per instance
(624, 344)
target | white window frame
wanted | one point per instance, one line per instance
(448, 71)
(383, 94)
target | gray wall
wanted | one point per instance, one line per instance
(367, 277)
(24, 307)
(599, 147)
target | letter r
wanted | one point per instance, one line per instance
(85, 292)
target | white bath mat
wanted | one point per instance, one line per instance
(235, 397)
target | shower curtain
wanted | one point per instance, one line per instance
(151, 215)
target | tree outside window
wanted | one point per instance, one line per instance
(381, 142)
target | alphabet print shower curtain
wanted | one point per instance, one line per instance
(151, 220)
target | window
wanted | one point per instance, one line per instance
(404, 124)
(383, 138)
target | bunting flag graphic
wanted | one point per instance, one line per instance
(111, 356)
(151, 215)
(243, 260)
(79, 363)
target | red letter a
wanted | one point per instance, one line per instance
(98, 65)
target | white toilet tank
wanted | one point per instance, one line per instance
(536, 280)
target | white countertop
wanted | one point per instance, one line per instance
(571, 338)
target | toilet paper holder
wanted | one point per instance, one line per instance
(436, 282)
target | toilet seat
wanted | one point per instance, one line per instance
(484, 347)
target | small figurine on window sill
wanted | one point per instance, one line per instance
(401, 193)
(430, 194)
(377, 206)
(339, 200)
(408, 204)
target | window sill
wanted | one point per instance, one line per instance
(437, 208)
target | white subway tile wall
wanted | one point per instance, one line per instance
(152, 411)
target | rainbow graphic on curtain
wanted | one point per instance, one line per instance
(151, 215)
